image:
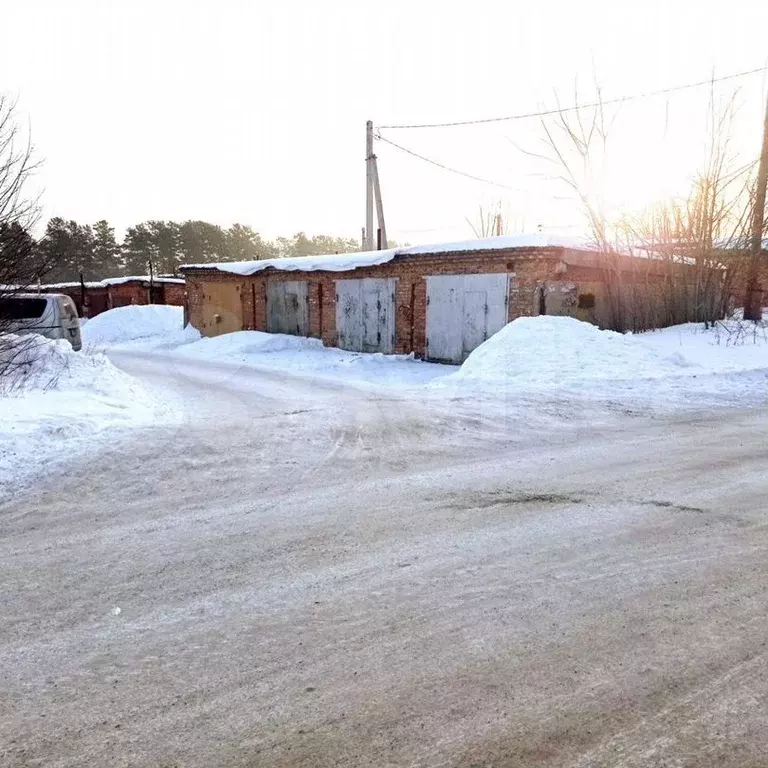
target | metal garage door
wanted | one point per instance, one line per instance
(288, 307)
(222, 308)
(462, 312)
(365, 315)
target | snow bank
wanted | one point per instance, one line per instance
(302, 356)
(56, 401)
(243, 345)
(536, 351)
(678, 366)
(152, 325)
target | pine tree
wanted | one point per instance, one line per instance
(139, 248)
(166, 246)
(106, 251)
(202, 242)
(243, 244)
(70, 247)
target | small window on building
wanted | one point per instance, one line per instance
(586, 301)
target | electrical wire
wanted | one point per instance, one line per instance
(447, 168)
(593, 104)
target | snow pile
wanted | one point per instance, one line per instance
(40, 366)
(244, 345)
(302, 356)
(55, 400)
(153, 325)
(545, 351)
(31, 362)
(679, 366)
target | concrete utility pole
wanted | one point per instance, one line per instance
(753, 309)
(382, 244)
(371, 240)
(369, 243)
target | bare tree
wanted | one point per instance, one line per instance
(677, 261)
(20, 265)
(489, 222)
(753, 304)
(18, 211)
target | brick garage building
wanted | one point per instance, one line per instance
(91, 298)
(125, 291)
(439, 302)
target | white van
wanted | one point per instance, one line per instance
(52, 315)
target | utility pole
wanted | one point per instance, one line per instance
(369, 246)
(753, 309)
(382, 244)
(372, 240)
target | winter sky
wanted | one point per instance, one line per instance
(255, 112)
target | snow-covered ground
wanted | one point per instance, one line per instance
(308, 357)
(158, 329)
(70, 399)
(58, 402)
(681, 366)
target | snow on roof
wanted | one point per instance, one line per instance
(502, 243)
(333, 262)
(143, 279)
(114, 281)
(341, 262)
(91, 284)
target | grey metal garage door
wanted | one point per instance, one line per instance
(288, 307)
(365, 315)
(462, 312)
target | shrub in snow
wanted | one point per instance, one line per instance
(32, 362)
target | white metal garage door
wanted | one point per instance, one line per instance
(462, 312)
(365, 315)
(288, 307)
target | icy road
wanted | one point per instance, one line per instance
(306, 574)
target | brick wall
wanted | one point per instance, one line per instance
(124, 294)
(175, 294)
(533, 273)
(527, 270)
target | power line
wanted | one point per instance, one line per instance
(445, 167)
(559, 110)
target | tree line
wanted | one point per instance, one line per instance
(72, 248)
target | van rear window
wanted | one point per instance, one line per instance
(21, 309)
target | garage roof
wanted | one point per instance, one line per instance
(342, 262)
